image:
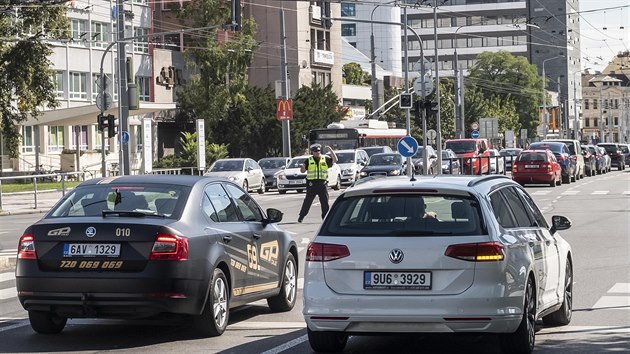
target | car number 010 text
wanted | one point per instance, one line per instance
(123, 232)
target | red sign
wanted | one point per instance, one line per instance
(285, 109)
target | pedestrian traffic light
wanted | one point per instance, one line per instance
(112, 126)
(406, 100)
(102, 122)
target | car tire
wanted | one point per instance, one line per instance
(337, 185)
(261, 189)
(574, 177)
(560, 180)
(214, 318)
(300, 190)
(327, 341)
(285, 300)
(282, 191)
(553, 182)
(45, 322)
(523, 339)
(562, 316)
(566, 179)
(246, 186)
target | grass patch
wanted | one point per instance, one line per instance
(41, 186)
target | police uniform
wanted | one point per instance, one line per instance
(316, 183)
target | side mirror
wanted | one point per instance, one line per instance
(559, 222)
(274, 215)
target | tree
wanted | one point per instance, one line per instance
(510, 77)
(353, 74)
(26, 75)
(313, 107)
(188, 155)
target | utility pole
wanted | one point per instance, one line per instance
(438, 137)
(576, 121)
(286, 137)
(123, 100)
(406, 71)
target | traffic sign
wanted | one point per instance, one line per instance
(431, 134)
(428, 85)
(124, 136)
(474, 126)
(107, 101)
(474, 134)
(407, 146)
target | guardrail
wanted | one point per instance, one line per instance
(62, 176)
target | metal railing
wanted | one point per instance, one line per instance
(63, 177)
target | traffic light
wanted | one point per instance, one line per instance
(430, 107)
(406, 100)
(112, 127)
(102, 122)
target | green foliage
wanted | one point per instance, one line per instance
(188, 155)
(353, 74)
(26, 83)
(313, 107)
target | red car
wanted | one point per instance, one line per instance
(537, 166)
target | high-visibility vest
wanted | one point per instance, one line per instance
(317, 171)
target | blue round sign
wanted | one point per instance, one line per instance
(407, 146)
(124, 136)
(474, 134)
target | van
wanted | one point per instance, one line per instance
(575, 148)
(473, 153)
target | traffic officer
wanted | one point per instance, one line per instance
(316, 168)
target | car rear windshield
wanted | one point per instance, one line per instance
(460, 147)
(404, 215)
(383, 159)
(164, 200)
(610, 148)
(557, 148)
(227, 165)
(532, 156)
(272, 163)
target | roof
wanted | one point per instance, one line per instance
(147, 179)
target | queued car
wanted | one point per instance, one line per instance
(497, 161)
(537, 166)
(625, 150)
(271, 166)
(141, 246)
(590, 161)
(350, 163)
(450, 254)
(575, 149)
(292, 179)
(384, 164)
(371, 150)
(563, 155)
(602, 159)
(243, 171)
(617, 157)
(472, 153)
(509, 154)
(450, 162)
(418, 161)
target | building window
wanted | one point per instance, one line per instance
(144, 83)
(83, 134)
(79, 30)
(594, 103)
(616, 103)
(605, 103)
(587, 122)
(140, 2)
(55, 138)
(28, 139)
(59, 86)
(354, 44)
(616, 121)
(141, 45)
(100, 34)
(348, 10)
(595, 122)
(78, 85)
(586, 103)
(348, 29)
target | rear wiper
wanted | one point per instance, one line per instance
(132, 213)
(417, 233)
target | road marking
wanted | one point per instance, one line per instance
(541, 192)
(570, 192)
(600, 192)
(287, 345)
(23, 323)
(620, 288)
(8, 293)
(577, 329)
(267, 325)
(7, 276)
(626, 193)
(613, 303)
(305, 240)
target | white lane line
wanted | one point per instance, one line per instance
(288, 345)
(600, 192)
(23, 323)
(572, 192)
(623, 288)
(267, 325)
(305, 240)
(541, 192)
(615, 303)
(8, 293)
(590, 329)
(7, 276)
(626, 193)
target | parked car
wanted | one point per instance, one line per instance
(139, 246)
(450, 162)
(243, 171)
(451, 254)
(384, 164)
(561, 152)
(590, 161)
(291, 179)
(350, 163)
(271, 166)
(371, 150)
(418, 161)
(616, 156)
(602, 159)
(537, 166)
(497, 161)
(509, 154)
(575, 149)
(625, 150)
(470, 151)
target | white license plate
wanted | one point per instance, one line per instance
(397, 280)
(532, 166)
(297, 181)
(91, 250)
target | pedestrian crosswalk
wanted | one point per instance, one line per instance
(576, 192)
(617, 298)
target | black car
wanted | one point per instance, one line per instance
(271, 166)
(617, 158)
(561, 151)
(139, 246)
(384, 164)
(509, 155)
(418, 161)
(450, 162)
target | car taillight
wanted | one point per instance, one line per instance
(575, 157)
(548, 166)
(476, 252)
(561, 158)
(169, 248)
(515, 168)
(325, 252)
(26, 247)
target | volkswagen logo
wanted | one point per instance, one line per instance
(91, 232)
(396, 256)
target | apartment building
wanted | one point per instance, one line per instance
(606, 107)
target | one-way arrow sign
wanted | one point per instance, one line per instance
(407, 146)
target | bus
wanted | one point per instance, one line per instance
(355, 134)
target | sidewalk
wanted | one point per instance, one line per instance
(24, 202)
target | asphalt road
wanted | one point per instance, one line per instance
(598, 206)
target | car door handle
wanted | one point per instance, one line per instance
(227, 238)
(257, 236)
(532, 243)
(548, 242)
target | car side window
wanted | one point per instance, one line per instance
(208, 208)
(532, 208)
(225, 211)
(517, 206)
(501, 211)
(247, 206)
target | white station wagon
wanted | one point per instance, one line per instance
(447, 254)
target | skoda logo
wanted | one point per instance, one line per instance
(396, 256)
(90, 231)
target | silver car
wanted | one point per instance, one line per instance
(243, 171)
(436, 254)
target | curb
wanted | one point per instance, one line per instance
(23, 212)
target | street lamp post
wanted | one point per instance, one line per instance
(576, 118)
(545, 116)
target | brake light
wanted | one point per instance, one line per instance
(575, 157)
(325, 252)
(514, 168)
(26, 247)
(169, 248)
(548, 165)
(561, 158)
(476, 252)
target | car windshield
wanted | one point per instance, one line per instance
(610, 148)
(295, 163)
(446, 155)
(532, 156)
(163, 200)
(345, 157)
(557, 148)
(509, 152)
(460, 147)
(404, 215)
(272, 163)
(375, 150)
(227, 165)
(389, 159)
(624, 149)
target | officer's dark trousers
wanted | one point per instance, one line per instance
(313, 188)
